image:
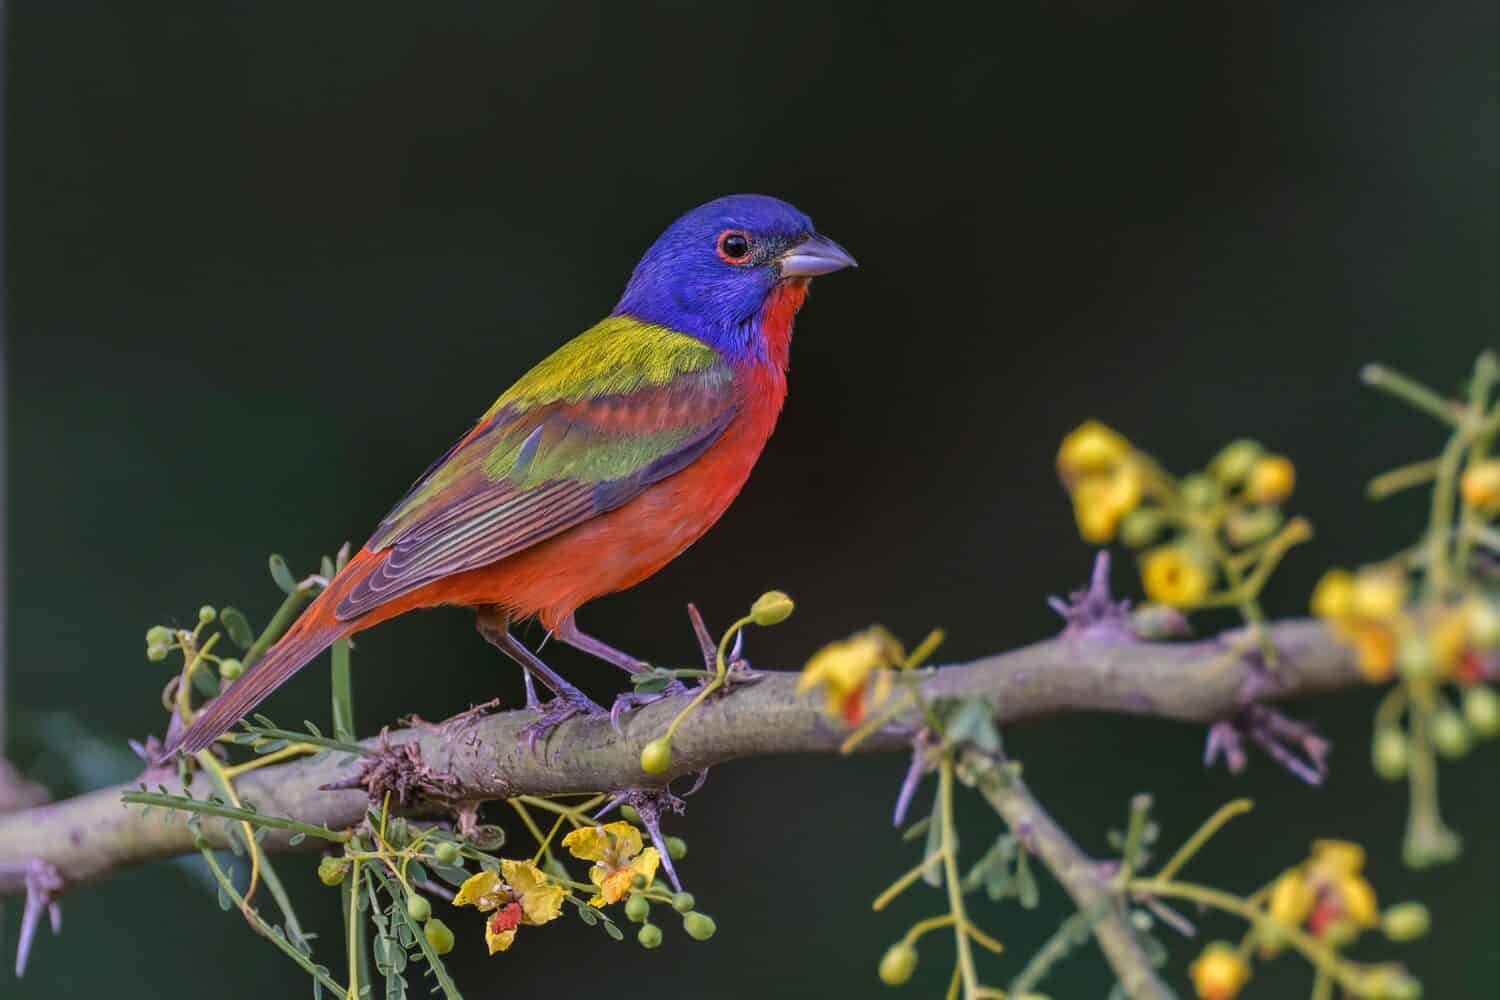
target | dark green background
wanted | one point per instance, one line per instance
(267, 260)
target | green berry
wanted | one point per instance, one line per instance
(699, 926)
(771, 608)
(1449, 734)
(156, 653)
(231, 669)
(207, 614)
(1389, 753)
(637, 908)
(649, 936)
(629, 815)
(683, 902)
(656, 756)
(1200, 492)
(418, 908)
(1140, 527)
(1234, 463)
(1482, 710)
(676, 848)
(638, 881)
(158, 635)
(446, 852)
(439, 937)
(898, 963)
(331, 870)
(1405, 921)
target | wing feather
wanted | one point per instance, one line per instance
(548, 457)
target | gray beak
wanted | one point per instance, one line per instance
(814, 256)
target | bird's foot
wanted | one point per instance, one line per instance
(638, 698)
(568, 703)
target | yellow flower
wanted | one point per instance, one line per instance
(1374, 650)
(1173, 575)
(1091, 447)
(1271, 479)
(1291, 898)
(1219, 973)
(1333, 597)
(854, 673)
(615, 850)
(520, 894)
(1480, 485)
(1379, 594)
(1101, 500)
(1450, 638)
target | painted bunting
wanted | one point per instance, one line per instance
(596, 469)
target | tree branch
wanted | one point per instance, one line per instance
(471, 759)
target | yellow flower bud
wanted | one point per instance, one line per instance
(656, 756)
(1449, 734)
(1337, 858)
(1219, 973)
(1480, 485)
(1358, 898)
(1101, 500)
(1482, 710)
(637, 908)
(1484, 622)
(1291, 899)
(1389, 753)
(771, 608)
(1233, 464)
(1333, 598)
(1174, 575)
(898, 963)
(1378, 594)
(1405, 921)
(1091, 447)
(439, 936)
(1374, 651)
(1271, 480)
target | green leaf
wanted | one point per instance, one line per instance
(587, 915)
(206, 683)
(296, 838)
(917, 829)
(1026, 888)
(224, 901)
(646, 684)
(453, 876)
(613, 931)
(237, 626)
(281, 573)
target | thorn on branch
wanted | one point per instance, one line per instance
(43, 884)
(1292, 744)
(1093, 610)
(650, 804)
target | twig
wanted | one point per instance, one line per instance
(92, 836)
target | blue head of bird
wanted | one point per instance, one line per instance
(712, 273)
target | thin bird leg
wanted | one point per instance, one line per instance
(569, 632)
(568, 701)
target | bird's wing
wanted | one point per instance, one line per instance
(618, 408)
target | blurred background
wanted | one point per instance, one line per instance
(268, 260)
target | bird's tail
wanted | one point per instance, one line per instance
(312, 633)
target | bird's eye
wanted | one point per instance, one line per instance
(734, 246)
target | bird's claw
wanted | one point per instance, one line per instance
(628, 700)
(566, 705)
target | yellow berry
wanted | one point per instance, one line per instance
(1378, 594)
(1333, 598)
(656, 756)
(1219, 973)
(1271, 480)
(1480, 485)
(898, 963)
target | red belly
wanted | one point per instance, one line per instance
(623, 547)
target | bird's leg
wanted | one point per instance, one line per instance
(567, 702)
(569, 632)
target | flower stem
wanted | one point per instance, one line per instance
(1210, 827)
(970, 979)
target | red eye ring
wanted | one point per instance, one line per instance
(733, 246)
